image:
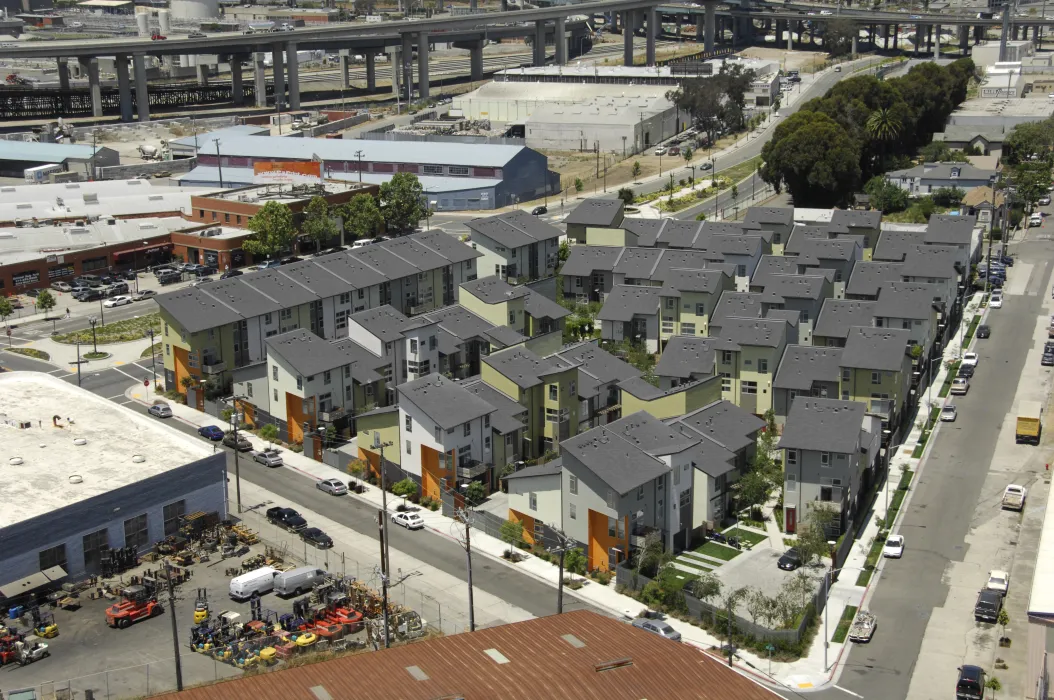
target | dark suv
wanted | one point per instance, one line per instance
(970, 685)
(989, 603)
(286, 518)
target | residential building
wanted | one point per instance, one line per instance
(632, 313)
(536, 501)
(636, 394)
(985, 204)
(929, 177)
(508, 425)
(830, 450)
(600, 375)
(774, 265)
(869, 276)
(940, 265)
(750, 351)
(518, 247)
(686, 359)
(913, 306)
(960, 231)
(838, 316)
(594, 212)
(805, 370)
(519, 314)
(778, 220)
(838, 256)
(855, 222)
(876, 370)
(896, 240)
(988, 140)
(802, 293)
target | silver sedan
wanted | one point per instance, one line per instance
(335, 487)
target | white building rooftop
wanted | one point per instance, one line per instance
(84, 199)
(44, 467)
(33, 243)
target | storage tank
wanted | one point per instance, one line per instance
(164, 19)
(195, 9)
(142, 21)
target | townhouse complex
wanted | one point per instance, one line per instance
(449, 359)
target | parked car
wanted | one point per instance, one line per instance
(160, 410)
(998, 581)
(334, 487)
(316, 538)
(1047, 360)
(790, 560)
(231, 273)
(268, 458)
(660, 151)
(987, 607)
(960, 386)
(61, 286)
(538, 211)
(212, 432)
(286, 518)
(196, 35)
(170, 277)
(970, 358)
(240, 444)
(266, 264)
(984, 331)
(966, 371)
(144, 294)
(411, 521)
(949, 413)
(1044, 200)
(128, 275)
(114, 302)
(894, 547)
(971, 683)
(996, 302)
(658, 627)
(90, 295)
(1007, 260)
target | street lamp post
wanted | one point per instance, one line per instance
(94, 345)
(102, 313)
(153, 359)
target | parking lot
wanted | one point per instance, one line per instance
(757, 569)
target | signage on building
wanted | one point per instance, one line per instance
(31, 277)
(287, 172)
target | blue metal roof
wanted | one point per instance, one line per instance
(204, 140)
(45, 152)
(432, 184)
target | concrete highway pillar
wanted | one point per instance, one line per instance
(504, 5)
(937, 42)
(91, 67)
(64, 74)
(964, 40)
(856, 39)
(345, 68)
(539, 43)
(203, 74)
(371, 70)
(124, 86)
(710, 20)
(237, 91)
(790, 36)
(627, 37)
(651, 33)
(978, 35)
(700, 28)
(142, 95)
(677, 26)
(472, 5)
(896, 36)
(475, 60)
(422, 64)
(406, 79)
(278, 70)
(396, 60)
(885, 37)
(260, 79)
(560, 40)
(294, 76)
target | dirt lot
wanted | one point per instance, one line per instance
(805, 61)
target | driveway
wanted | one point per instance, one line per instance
(757, 569)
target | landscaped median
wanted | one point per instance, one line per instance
(30, 352)
(875, 552)
(935, 413)
(117, 332)
(844, 623)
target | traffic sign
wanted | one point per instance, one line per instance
(146, 382)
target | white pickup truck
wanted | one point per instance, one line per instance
(1014, 497)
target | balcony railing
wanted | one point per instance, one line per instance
(331, 415)
(882, 407)
(471, 468)
(215, 367)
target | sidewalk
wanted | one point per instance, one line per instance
(808, 672)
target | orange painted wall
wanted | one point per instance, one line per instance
(432, 472)
(298, 411)
(181, 360)
(527, 522)
(600, 542)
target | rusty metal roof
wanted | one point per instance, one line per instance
(560, 656)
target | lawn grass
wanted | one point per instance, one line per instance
(718, 551)
(970, 331)
(924, 438)
(117, 332)
(676, 577)
(746, 535)
(876, 547)
(739, 171)
(151, 351)
(844, 623)
(692, 564)
(946, 387)
(30, 352)
(95, 355)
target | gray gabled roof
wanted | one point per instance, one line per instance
(586, 259)
(197, 311)
(823, 425)
(626, 301)
(931, 261)
(504, 336)
(309, 355)
(760, 216)
(796, 286)
(459, 322)
(737, 305)
(893, 244)
(386, 322)
(875, 348)
(802, 365)
(553, 468)
(597, 212)
(843, 220)
(708, 281)
(948, 229)
(686, 355)
(540, 306)
(638, 263)
(943, 171)
(765, 332)
(724, 422)
(514, 229)
(279, 287)
(869, 276)
(613, 459)
(508, 415)
(493, 290)
(237, 294)
(773, 265)
(596, 361)
(837, 316)
(521, 366)
(444, 401)
(842, 249)
(802, 233)
(913, 300)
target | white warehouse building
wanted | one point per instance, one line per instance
(95, 477)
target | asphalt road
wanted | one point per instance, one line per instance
(493, 577)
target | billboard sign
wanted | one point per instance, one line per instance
(287, 172)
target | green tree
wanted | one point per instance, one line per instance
(814, 158)
(636, 169)
(626, 195)
(752, 490)
(948, 196)
(5, 309)
(1030, 180)
(798, 588)
(885, 196)
(1025, 141)
(46, 301)
(579, 185)
(511, 534)
(838, 37)
(812, 539)
(406, 488)
(1003, 620)
(273, 230)
(717, 102)
(362, 216)
(706, 587)
(402, 202)
(687, 153)
(777, 102)
(994, 685)
(476, 493)
(269, 433)
(575, 561)
(940, 152)
(318, 224)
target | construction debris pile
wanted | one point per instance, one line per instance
(449, 127)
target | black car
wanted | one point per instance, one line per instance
(790, 560)
(129, 275)
(91, 295)
(996, 282)
(984, 332)
(1048, 346)
(1047, 360)
(231, 273)
(538, 211)
(33, 293)
(1007, 260)
(243, 445)
(316, 537)
(286, 518)
(989, 603)
(970, 685)
(966, 370)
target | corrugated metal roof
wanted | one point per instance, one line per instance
(542, 664)
(44, 152)
(424, 152)
(433, 185)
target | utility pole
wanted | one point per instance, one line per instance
(464, 517)
(382, 534)
(358, 154)
(237, 466)
(565, 543)
(731, 648)
(378, 445)
(172, 617)
(219, 161)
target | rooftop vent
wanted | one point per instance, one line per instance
(15, 461)
(496, 656)
(417, 673)
(76, 479)
(612, 665)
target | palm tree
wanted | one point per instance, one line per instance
(883, 127)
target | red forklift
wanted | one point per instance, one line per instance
(138, 603)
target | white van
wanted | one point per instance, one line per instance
(255, 582)
(298, 581)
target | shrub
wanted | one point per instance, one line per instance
(407, 488)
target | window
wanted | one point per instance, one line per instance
(249, 389)
(56, 556)
(457, 170)
(408, 450)
(554, 392)
(742, 271)
(612, 499)
(749, 388)
(285, 314)
(486, 443)
(326, 377)
(792, 457)
(341, 319)
(276, 394)
(906, 325)
(171, 514)
(825, 459)
(136, 532)
(726, 357)
(726, 381)
(573, 512)
(409, 424)
(670, 301)
(413, 346)
(572, 485)
(432, 169)
(361, 293)
(763, 366)
(685, 498)
(299, 382)
(612, 527)
(676, 477)
(533, 501)
(640, 492)
(688, 328)
(876, 377)
(512, 318)
(792, 482)
(226, 218)
(439, 434)
(168, 349)
(468, 429)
